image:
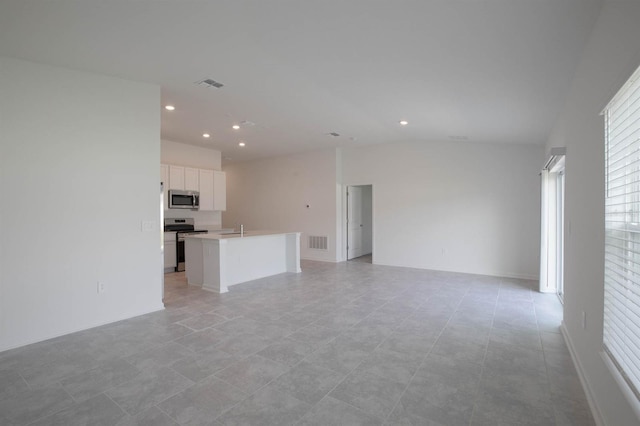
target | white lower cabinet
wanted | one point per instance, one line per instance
(170, 259)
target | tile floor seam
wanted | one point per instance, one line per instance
(328, 395)
(386, 419)
(59, 384)
(24, 380)
(180, 374)
(547, 376)
(54, 413)
(247, 396)
(126, 413)
(484, 359)
(166, 413)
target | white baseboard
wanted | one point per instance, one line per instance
(595, 411)
(318, 259)
(71, 331)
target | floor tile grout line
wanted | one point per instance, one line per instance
(25, 381)
(484, 359)
(126, 413)
(328, 394)
(423, 360)
(56, 412)
(164, 412)
(547, 375)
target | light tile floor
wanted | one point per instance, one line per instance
(340, 344)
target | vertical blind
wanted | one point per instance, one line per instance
(621, 337)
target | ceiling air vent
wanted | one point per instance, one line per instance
(208, 82)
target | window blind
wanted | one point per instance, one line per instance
(621, 334)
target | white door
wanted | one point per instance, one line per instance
(354, 222)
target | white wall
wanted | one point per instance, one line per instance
(79, 157)
(190, 155)
(198, 157)
(611, 55)
(452, 206)
(273, 194)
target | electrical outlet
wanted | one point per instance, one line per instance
(101, 287)
(584, 320)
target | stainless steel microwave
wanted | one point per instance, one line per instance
(184, 199)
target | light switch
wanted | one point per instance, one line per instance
(148, 226)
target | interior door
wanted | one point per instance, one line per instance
(354, 222)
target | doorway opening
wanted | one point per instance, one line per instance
(359, 214)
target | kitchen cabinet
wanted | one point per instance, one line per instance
(176, 177)
(206, 189)
(191, 179)
(219, 190)
(213, 190)
(211, 184)
(170, 258)
(212, 261)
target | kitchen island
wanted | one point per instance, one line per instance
(218, 261)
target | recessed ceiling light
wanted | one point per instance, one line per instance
(235, 127)
(241, 144)
(403, 122)
(169, 107)
(206, 135)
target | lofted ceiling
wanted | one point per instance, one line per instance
(296, 70)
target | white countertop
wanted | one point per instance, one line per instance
(247, 234)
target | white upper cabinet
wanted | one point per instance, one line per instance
(219, 191)
(176, 177)
(206, 189)
(191, 179)
(212, 185)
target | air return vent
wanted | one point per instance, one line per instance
(318, 242)
(208, 82)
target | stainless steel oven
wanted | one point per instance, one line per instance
(180, 247)
(182, 227)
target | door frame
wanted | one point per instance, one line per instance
(552, 228)
(344, 216)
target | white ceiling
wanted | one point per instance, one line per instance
(488, 70)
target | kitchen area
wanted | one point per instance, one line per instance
(194, 241)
